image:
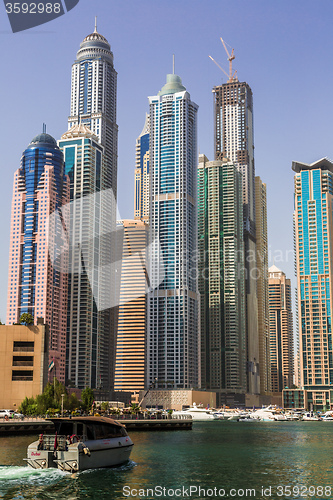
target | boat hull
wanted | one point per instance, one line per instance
(82, 456)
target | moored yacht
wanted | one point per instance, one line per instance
(198, 413)
(265, 414)
(81, 443)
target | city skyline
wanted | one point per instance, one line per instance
(271, 77)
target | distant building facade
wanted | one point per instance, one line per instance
(280, 330)
(141, 180)
(173, 305)
(314, 264)
(34, 285)
(130, 372)
(262, 285)
(234, 141)
(23, 363)
(221, 276)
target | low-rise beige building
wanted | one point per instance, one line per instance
(176, 399)
(23, 363)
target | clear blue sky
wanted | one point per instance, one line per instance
(283, 51)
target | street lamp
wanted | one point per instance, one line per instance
(62, 404)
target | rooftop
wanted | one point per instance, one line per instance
(43, 140)
(323, 164)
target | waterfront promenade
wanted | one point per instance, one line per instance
(36, 425)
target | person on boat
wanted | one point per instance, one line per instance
(40, 442)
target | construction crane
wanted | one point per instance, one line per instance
(231, 76)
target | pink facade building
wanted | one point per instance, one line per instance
(34, 285)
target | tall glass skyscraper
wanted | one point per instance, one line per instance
(234, 141)
(262, 285)
(34, 285)
(314, 263)
(91, 160)
(141, 180)
(172, 314)
(280, 330)
(93, 99)
(90, 346)
(221, 278)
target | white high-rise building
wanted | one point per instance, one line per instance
(234, 141)
(173, 306)
(90, 148)
(93, 98)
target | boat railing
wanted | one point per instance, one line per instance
(52, 441)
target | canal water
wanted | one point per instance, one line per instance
(262, 460)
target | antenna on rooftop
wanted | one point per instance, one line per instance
(173, 64)
(95, 24)
(44, 128)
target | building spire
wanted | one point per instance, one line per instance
(173, 64)
(95, 24)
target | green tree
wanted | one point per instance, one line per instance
(26, 319)
(87, 398)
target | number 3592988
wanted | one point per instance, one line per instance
(33, 8)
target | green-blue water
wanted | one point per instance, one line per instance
(223, 455)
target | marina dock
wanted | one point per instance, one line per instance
(37, 426)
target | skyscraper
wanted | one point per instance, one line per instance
(173, 306)
(141, 181)
(93, 99)
(280, 330)
(132, 318)
(314, 262)
(34, 285)
(262, 285)
(89, 342)
(221, 277)
(234, 141)
(92, 322)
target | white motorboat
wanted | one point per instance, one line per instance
(198, 413)
(265, 414)
(229, 414)
(327, 417)
(310, 416)
(81, 443)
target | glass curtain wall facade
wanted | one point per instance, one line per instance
(234, 141)
(93, 105)
(262, 285)
(280, 330)
(90, 349)
(132, 319)
(173, 306)
(141, 180)
(221, 276)
(34, 286)
(314, 244)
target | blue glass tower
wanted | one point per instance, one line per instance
(35, 287)
(173, 306)
(314, 263)
(142, 176)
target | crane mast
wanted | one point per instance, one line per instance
(231, 76)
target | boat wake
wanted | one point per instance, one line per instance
(26, 474)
